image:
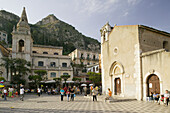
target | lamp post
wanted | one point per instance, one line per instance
(1, 73)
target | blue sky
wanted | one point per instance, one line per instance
(88, 16)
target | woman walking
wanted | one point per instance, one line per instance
(68, 94)
(62, 93)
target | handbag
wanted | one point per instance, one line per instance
(74, 95)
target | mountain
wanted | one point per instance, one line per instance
(51, 31)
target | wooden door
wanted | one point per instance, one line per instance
(153, 84)
(117, 86)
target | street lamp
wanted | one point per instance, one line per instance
(1, 73)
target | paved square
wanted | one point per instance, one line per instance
(52, 104)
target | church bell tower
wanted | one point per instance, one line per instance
(22, 41)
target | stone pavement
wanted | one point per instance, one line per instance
(52, 104)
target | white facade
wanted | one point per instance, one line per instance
(4, 36)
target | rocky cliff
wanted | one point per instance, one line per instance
(51, 31)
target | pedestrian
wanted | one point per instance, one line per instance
(39, 91)
(91, 88)
(85, 91)
(62, 93)
(65, 90)
(109, 95)
(72, 94)
(166, 97)
(10, 91)
(5, 93)
(94, 93)
(68, 94)
(22, 94)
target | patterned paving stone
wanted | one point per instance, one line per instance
(52, 104)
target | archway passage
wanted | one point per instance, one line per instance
(153, 84)
(117, 86)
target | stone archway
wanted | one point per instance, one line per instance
(153, 84)
(116, 74)
(145, 82)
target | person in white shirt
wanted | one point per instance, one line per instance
(22, 94)
(39, 91)
(166, 97)
(5, 93)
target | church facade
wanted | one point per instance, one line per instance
(134, 60)
(49, 58)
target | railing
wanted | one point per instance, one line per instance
(40, 67)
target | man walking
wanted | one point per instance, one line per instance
(22, 94)
(5, 93)
(94, 93)
(39, 91)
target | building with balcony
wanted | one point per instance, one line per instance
(4, 36)
(84, 57)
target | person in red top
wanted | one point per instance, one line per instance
(65, 90)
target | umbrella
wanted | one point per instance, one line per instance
(90, 84)
(83, 85)
(1, 85)
(2, 81)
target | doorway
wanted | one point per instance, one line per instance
(117, 86)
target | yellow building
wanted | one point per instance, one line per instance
(42, 57)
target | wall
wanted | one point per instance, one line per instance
(150, 40)
(125, 40)
(51, 51)
(157, 63)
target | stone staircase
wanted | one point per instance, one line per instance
(114, 98)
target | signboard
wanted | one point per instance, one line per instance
(150, 85)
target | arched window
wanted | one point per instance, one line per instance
(65, 73)
(64, 64)
(55, 53)
(34, 51)
(21, 46)
(40, 63)
(88, 56)
(52, 64)
(97, 68)
(93, 69)
(45, 52)
(53, 74)
(94, 57)
(81, 56)
(165, 45)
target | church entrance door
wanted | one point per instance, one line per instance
(153, 84)
(117, 86)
